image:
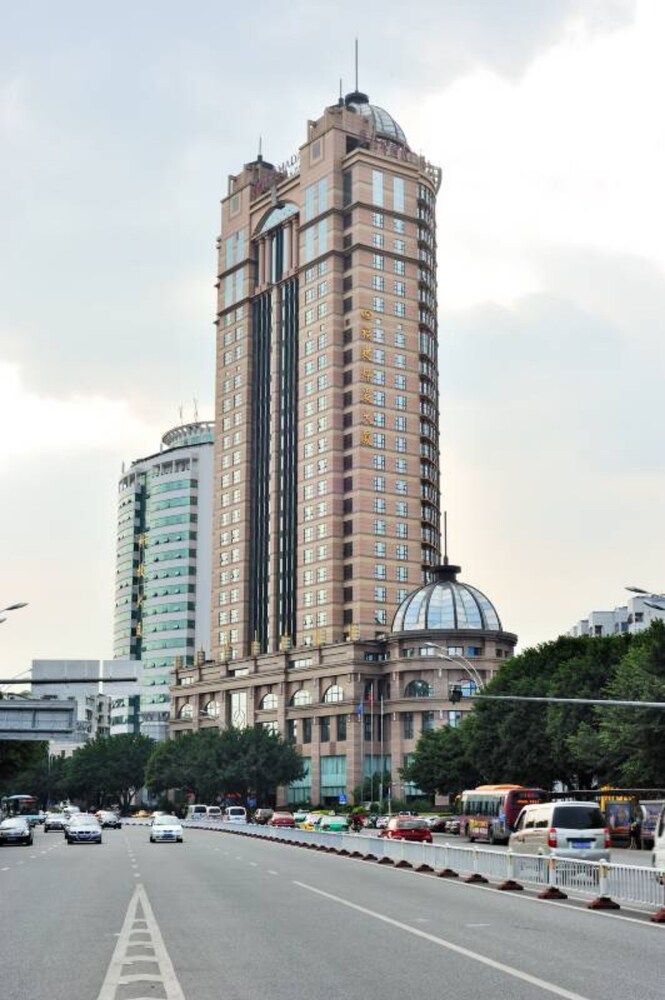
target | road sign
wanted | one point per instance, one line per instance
(342, 800)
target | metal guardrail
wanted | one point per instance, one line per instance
(644, 886)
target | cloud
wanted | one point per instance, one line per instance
(50, 425)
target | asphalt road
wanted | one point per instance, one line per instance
(226, 917)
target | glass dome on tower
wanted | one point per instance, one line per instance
(446, 604)
(383, 124)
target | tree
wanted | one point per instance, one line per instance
(633, 739)
(213, 763)
(109, 769)
(442, 761)
(16, 758)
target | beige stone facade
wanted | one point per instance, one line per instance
(327, 458)
(313, 697)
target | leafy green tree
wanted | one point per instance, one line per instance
(443, 760)
(633, 739)
(109, 769)
(231, 761)
(16, 758)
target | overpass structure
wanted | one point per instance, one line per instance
(39, 719)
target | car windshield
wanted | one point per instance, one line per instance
(11, 823)
(578, 818)
(409, 824)
(164, 820)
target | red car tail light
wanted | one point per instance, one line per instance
(552, 838)
(608, 842)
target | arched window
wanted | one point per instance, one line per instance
(269, 701)
(211, 710)
(334, 693)
(187, 711)
(301, 697)
(418, 689)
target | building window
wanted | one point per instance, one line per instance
(306, 730)
(341, 728)
(335, 693)
(380, 595)
(407, 725)
(428, 721)
(324, 729)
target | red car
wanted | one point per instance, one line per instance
(281, 819)
(407, 828)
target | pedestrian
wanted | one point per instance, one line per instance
(635, 835)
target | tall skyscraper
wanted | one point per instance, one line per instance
(326, 503)
(163, 569)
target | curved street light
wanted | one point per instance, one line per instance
(657, 601)
(466, 665)
(12, 607)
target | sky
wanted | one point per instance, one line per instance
(118, 128)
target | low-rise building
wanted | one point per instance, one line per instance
(634, 616)
(355, 709)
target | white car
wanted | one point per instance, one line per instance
(165, 828)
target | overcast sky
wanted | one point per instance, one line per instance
(118, 127)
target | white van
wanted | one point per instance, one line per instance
(658, 856)
(196, 812)
(235, 814)
(566, 829)
(213, 812)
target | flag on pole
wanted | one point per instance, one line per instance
(360, 709)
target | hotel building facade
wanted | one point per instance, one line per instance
(333, 623)
(327, 504)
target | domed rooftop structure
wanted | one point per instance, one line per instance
(446, 604)
(383, 124)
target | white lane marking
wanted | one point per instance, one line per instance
(271, 871)
(477, 925)
(253, 864)
(114, 976)
(509, 970)
(5, 869)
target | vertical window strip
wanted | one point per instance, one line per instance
(377, 188)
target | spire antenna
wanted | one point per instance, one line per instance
(356, 63)
(445, 538)
(260, 156)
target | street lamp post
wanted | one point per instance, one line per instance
(466, 665)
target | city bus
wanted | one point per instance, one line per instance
(490, 812)
(21, 805)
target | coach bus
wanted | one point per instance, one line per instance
(490, 812)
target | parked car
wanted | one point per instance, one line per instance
(214, 812)
(109, 819)
(263, 815)
(166, 829)
(407, 828)
(285, 819)
(300, 815)
(332, 824)
(83, 829)
(54, 821)
(382, 822)
(310, 821)
(452, 825)
(15, 830)
(564, 829)
(235, 814)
